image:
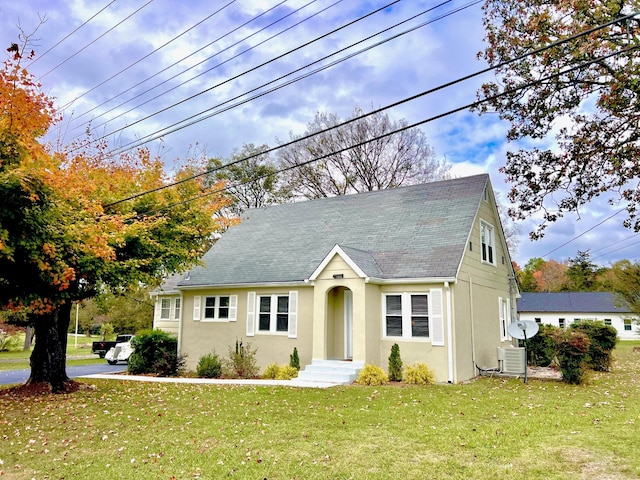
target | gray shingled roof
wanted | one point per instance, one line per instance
(577, 302)
(418, 231)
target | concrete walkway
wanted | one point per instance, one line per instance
(215, 381)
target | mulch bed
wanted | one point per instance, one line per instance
(40, 389)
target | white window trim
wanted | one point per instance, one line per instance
(253, 316)
(406, 316)
(164, 309)
(199, 306)
(492, 244)
(504, 313)
(273, 314)
(177, 308)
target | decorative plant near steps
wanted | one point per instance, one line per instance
(395, 364)
(294, 359)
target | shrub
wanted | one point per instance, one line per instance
(156, 352)
(294, 359)
(572, 348)
(10, 339)
(419, 374)
(241, 362)
(209, 366)
(541, 348)
(286, 372)
(602, 339)
(372, 375)
(271, 371)
(395, 364)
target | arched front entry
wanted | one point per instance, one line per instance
(340, 323)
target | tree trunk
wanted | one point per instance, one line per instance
(28, 338)
(49, 357)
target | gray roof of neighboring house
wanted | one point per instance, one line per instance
(417, 231)
(576, 302)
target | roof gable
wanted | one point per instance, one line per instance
(337, 250)
(418, 231)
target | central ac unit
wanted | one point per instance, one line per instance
(512, 359)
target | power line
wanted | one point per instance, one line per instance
(586, 231)
(203, 61)
(259, 66)
(74, 31)
(194, 118)
(388, 134)
(96, 39)
(181, 124)
(148, 54)
(406, 127)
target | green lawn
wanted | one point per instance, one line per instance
(492, 428)
(19, 359)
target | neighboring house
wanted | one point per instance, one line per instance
(167, 310)
(564, 308)
(424, 266)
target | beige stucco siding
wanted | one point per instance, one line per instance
(201, 337)
(477, 292)
(414, 350)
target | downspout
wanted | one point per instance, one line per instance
(473, 333)
(452, 374)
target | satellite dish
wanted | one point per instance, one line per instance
(523, 329)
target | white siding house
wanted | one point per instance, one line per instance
(564, 308)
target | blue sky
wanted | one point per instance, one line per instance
(101, 73)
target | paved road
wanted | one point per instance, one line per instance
(8, 377)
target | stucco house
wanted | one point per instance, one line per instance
(564, 308)
(342, 279)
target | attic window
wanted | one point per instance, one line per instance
(487, 241)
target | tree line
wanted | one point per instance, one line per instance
(581, 274)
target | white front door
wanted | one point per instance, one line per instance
(348, 324)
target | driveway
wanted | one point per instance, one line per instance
(9, 377)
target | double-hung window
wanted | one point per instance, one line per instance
(273, 313)
(487, 241)
(165, 308)
(216, 308)
(177, 307)
(406, 315)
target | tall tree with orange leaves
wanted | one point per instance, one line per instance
(65, 231)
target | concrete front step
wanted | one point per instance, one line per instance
(331, 371)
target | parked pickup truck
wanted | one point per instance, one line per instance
(102, 347)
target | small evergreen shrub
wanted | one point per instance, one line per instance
(156, 352)
(419, 374)
(395, 364)
(372, 375)
(209, 366)
(541, 348)
(602, 339)
(286, 372)
(572, 348)
(271, 371)
(294, 359)
(241, 361)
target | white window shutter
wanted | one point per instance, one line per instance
(196, 308)
(436, 316)
(293, 314)
(233, 308)
(251, 313)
